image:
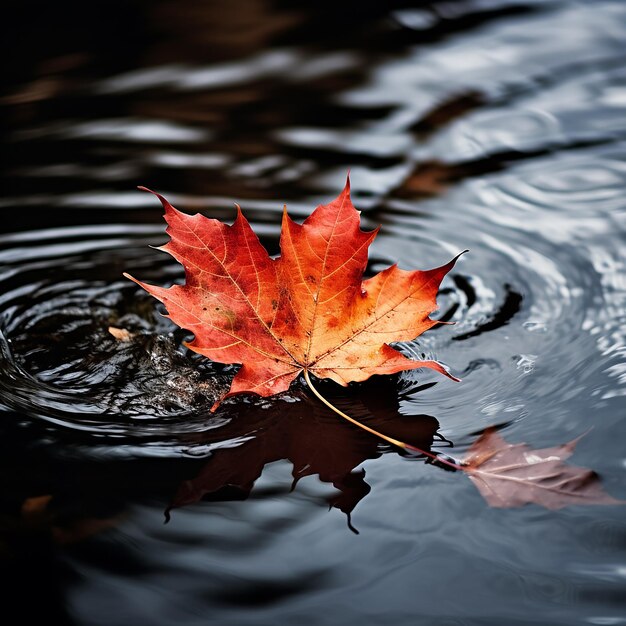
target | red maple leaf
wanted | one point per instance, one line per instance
(309, 310)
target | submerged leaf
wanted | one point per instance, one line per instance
(510, 475)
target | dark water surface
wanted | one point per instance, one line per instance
(493, 125)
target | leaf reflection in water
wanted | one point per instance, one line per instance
(313, 439)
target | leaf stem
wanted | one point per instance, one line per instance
(391, 440)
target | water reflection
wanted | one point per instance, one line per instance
(313, 439)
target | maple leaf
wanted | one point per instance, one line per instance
(511, 475)
(309, 310)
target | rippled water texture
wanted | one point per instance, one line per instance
(493, 125)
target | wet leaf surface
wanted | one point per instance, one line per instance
(308, 309)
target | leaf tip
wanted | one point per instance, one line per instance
(166, 205)
(286, 220)
(127, 275)
(239, 215)
(458, 256)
